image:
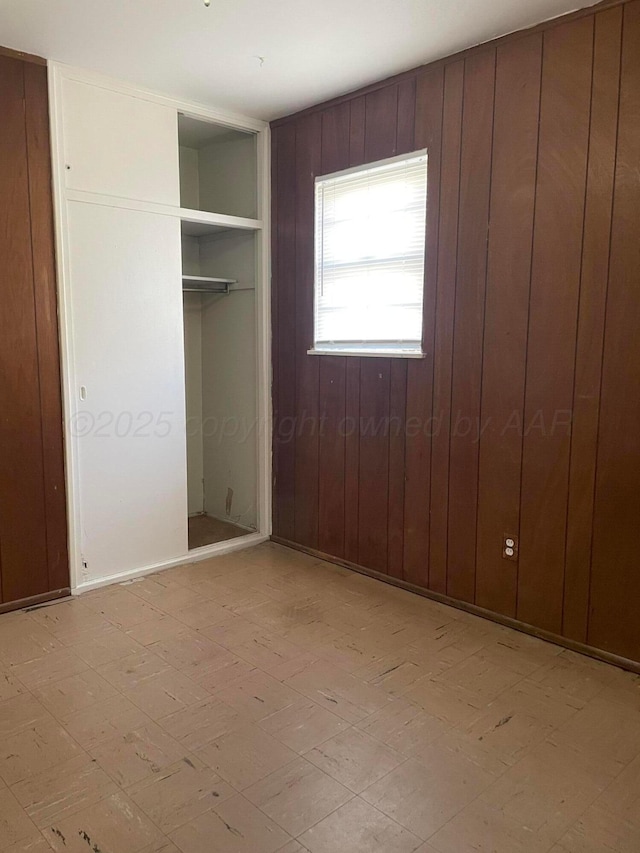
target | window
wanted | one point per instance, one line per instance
(369, 251)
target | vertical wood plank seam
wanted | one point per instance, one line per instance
(436, 270)
(484, 322)
(453, 325)
(47, 532)
(577, 325)
(526, 349)
(606, 306)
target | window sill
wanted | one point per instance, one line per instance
(365, 353)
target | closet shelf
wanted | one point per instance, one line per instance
(197, 223)
(206, 284)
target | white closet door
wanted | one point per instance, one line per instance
(129, 414)
(119, 145)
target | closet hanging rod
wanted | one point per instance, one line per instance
(206, 284)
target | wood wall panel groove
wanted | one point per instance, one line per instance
(419, 403)
(555, 284)
(530, 334)
(615, 579)
(307, 166)
(591, 317)
(466, 377)
(444, 320)
(515, 146)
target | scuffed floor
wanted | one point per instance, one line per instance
(264, 701)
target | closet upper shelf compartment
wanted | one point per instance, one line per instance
(197, 223)
(218, 169)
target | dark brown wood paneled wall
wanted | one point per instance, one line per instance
(523, 419)
(33, 526)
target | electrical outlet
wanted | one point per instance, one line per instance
(510, 547)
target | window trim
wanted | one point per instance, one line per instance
(341, 348)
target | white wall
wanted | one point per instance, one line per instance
(227, 173)
(193, 377)
(229, 380)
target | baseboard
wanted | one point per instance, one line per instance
(195, 556)
(523, 627)
(34, 600)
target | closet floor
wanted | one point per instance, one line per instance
(265, 701)
(205, 530)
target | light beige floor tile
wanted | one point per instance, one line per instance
(355, 759)
(155, 687)
(245, 755)
(138, 754)
(543, 704)
(34, 749)
(235, 826)
(298, 796)
(233, 631)
(303, 725)
(20, 712)
(33, 844)
(122, 608)
(180, 793)
(395, 673)
(201, 614)
(404, 727)
(75, 693)
(164, 845)
(104, 721)
(478, 827)
(67, 619)
(293, 847)
(480, 678)
(54, 666)
(358, 828)
(258, 696)
(15, 825)
(601, 831)
(448, 702)
(168, 596)
(63, 789)
(338, 691)
(21, 640)
(504, 731)
(269, 652)
(604, 732)
(423, 795)
(520, 652)
(193, 654)
(575, 679)
(103, 645)
(9, 685)
(115, 825)
(203, 722)
(159, 628)
(546, 791)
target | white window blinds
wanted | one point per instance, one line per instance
(369, 249)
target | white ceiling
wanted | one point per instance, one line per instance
(311, 49)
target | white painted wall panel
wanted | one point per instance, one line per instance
(119, 145)
(193, 377)
(128, 349)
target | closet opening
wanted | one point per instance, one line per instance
(219, 274)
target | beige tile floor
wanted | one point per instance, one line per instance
(267, 702)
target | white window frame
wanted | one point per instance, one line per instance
(386, 349)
